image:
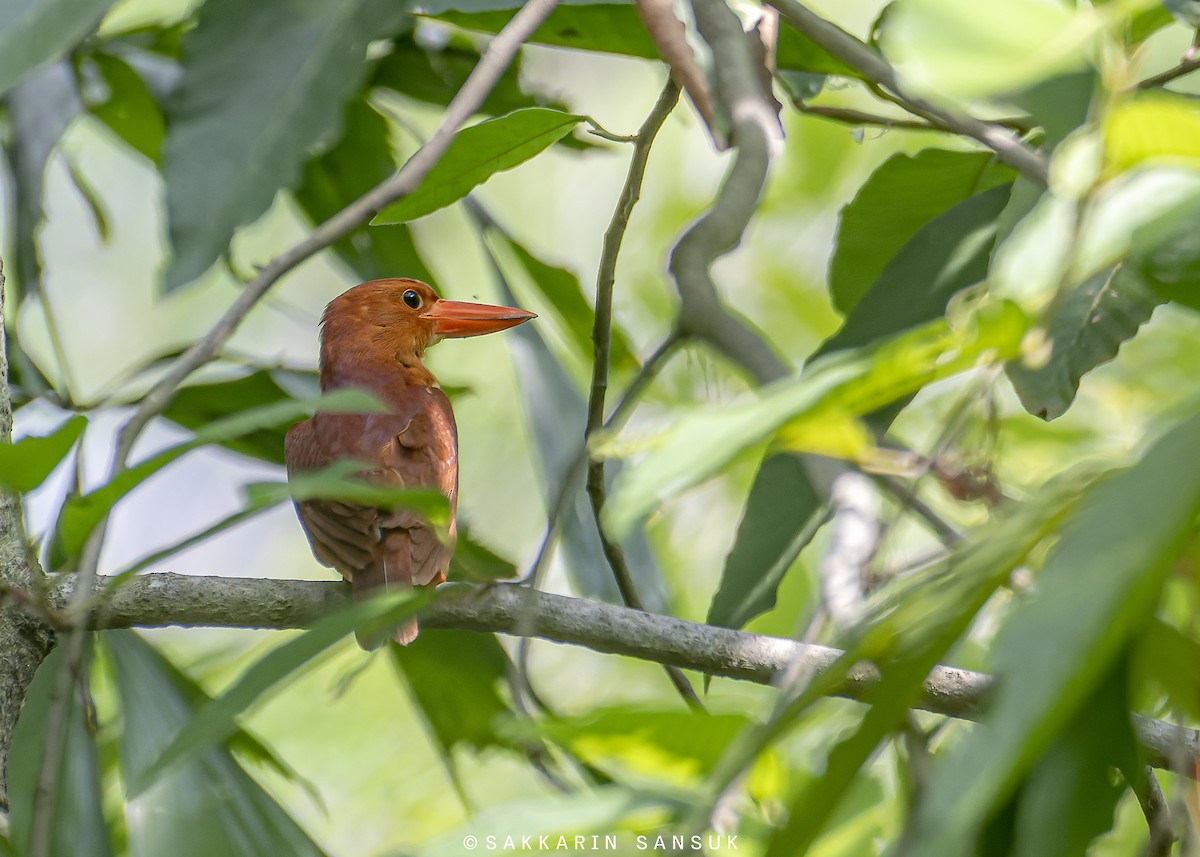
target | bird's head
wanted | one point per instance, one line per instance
(399, 318)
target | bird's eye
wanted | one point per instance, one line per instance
(412, 299)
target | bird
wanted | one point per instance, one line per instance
(373, 338)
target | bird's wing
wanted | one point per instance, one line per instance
(414, 446)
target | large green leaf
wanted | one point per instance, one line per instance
(261, 84)
(1099, 587)
(33, 31)
(1085, 327)
(24, 465)
(216, 721)
(205, 806)
(904, 194)
(455, 679)
(816, 412)
(779, 520)
(474, 562)
(79, 828)
(81, 513)
(361, 159)
(476, 154)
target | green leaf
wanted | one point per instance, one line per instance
(24, 465)
(341, 481)
(361, 159)
(476, 154)
(79, 828)
(216, 721)
(1069, 796)
(1098, 588)
(1152, 127)
(816, 412)
(207, 804)
(261, 84)
(80, 514)
(128, 108)
(781, 517)
(562, 290)
(1171, 265)
(473, 562)
(904, 194)
(455, 678)
(1084, 328)
(200, 405)
(33, 31)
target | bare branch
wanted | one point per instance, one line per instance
(159, 600)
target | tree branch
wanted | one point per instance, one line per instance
(871, 65)
(25, 640)
(159, 600)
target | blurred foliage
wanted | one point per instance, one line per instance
(1014, 360)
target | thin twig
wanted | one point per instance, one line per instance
(601, 344)
(1185, 67)
(867, 62)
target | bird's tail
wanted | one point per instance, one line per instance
(371, 581)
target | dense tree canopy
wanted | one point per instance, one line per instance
(841, 500)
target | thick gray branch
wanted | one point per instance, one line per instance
(154, 600)
(24, 640)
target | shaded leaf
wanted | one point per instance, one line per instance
(455, 678)
(1084, 329)
(474, 562)
(435, 73)
(127, 105)
(215, 722)
(81, 513)
(476, 154)
(79, 828)
(24, 465)
(33, 31)
(779, 520)
(1099, 586)
(282, 71)
(904, 194)
(206, 805)
(39, 110)
(615, 28)
(361, 159)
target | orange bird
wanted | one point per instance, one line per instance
(372, 338)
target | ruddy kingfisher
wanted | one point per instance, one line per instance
(373, 337)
